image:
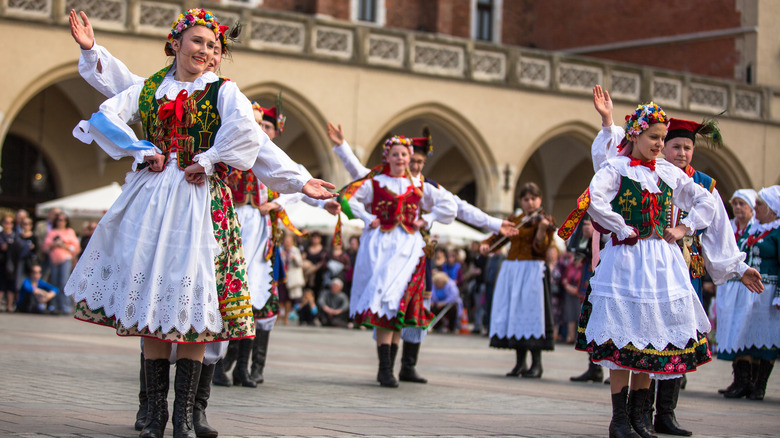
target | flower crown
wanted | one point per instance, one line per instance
(196, 17)
(394, 140)
(643, 117)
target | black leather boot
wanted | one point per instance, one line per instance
(241, 371)
(743, 378)
(520, 366)
(140, 416)
(620, 427)
(764, 371)
(393, 355)
(666, 403)
(408, 362)
(185, 386)
(259, 352)
(223, 365)
(199, 421)
(385, 376)
(157, 380)
(733, 382)
(593, 374)
(636, 413)
(535, 371)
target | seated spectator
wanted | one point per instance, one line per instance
(445, 291)
(306, 308)
(334, 305)
(35, 294)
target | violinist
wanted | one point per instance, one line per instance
(521, 315)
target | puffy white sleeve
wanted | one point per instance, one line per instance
(605, 145)
(440, 203)
(354, 167)
(693, 198)
(292, 198)
(361, 200)
(722, 257)
(104, 72)
(118, 112)
(476, 217)
(603, 188)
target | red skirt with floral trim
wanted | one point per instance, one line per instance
(411, 311)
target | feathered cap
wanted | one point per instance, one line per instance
(641, 119)
(424, 144)
(196, 17)
(394, 140)
(707, 130)
(273, 114)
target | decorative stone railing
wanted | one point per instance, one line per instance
(424, 54)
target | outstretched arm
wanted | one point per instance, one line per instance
(340, 146)
(606, 142)
(97, 66)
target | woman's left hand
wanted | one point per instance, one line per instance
(672, 235)
(752, 280)
(195, 174)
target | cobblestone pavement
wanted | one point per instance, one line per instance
(66, 378)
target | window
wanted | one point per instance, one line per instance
(368, 11)
(486, 20)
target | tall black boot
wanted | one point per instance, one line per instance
(743, 378)
(185, 386)
(764, 370)
(520, 366)
(157, 380)
(223, 365)
(666, 402)
(408, 362)
(259, 352)
(593, 374)
(140, 416)
(648, 409)
(241, 371)
(386, 377)
(636, 413)
(199, 421)
(733, 381)
(393, 355)
(620, 427)
(535, 371)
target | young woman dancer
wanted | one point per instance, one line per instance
(642, 315)
(390, 204)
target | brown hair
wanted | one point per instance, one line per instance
(530, 188)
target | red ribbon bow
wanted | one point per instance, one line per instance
(649, 164)
(174, 107)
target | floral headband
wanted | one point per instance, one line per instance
(195, 17)
(643, 117)
(394, 140)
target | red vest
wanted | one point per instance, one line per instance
(392, 209)
(246, 189)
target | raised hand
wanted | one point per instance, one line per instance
(82, 32)
(336, 135)
(317, 189)
(603, 104)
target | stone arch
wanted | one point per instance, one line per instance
(305, 128)
(559, 161)
(467, 142)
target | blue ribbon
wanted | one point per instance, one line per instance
(116, 135)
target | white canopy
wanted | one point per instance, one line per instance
(91, 204)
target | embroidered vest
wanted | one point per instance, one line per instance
(246, 189)
(196, 130)
(694, 257)
(647, 212)
(393, 210)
